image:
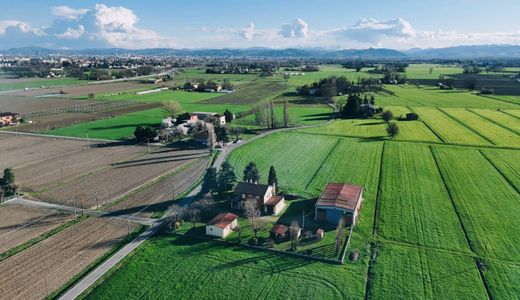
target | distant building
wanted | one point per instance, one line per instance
(9, 118)
(212, 88)
(209, 117)
(265, 195)
(222, 225)
(338, 201)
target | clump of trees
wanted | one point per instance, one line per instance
(265, 115)
(7, 183)
(356, 107)
(392, 129)
(339, 85)
(251, 173)
(145, 133)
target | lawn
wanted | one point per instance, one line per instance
(422, 71)
(415, 206)
(296, 157)
(494, 133)
(507, 162)
(298, 115)
(486, 203)
(252, 93)
(410, 95)
(403, 272)
(449, 130)
(187, 268)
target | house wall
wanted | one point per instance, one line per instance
(279, 207)
(214, 231)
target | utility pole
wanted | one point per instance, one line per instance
(75, 213)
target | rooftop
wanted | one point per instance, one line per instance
(279, 229)
(223, 220)
(340, 195)
(273, 200)
(251, 188)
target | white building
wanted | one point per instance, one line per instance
(222, 225)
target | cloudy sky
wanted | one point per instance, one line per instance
(335, 24)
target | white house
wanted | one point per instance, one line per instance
(222, 225)
(264, 195)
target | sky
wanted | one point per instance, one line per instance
(333, 24)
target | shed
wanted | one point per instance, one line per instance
(221, 225)
(339, 200)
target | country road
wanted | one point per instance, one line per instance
(94, 275)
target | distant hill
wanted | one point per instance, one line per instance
(459, 52)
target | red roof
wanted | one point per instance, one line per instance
(273, 200)
(223, 220)
(279, 229)
(340, 195)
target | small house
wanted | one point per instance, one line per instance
(279, 232)
(9, 118)
(222, 225)
(338, 201)
(265, 195)
(209, 117)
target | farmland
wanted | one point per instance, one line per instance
(207, 266)
(499, 118)
(18, 84)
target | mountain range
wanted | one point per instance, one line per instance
(458, 52)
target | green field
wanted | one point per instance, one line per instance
(252, 93)
(503, 279)
(492, 132)
(420, 273)
(487, 204)
(500, 118)
(324, 72)
(187, 268)
(422, 71)
(449, 130)
(298, 115)
(415, 205)
(410, 95)
(507, 162)
(39, 82)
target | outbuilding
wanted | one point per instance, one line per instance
(222, 225)
(337, 201)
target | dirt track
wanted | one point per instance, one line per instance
(18, 224)
(45, 267)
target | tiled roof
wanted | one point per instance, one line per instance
(222, 220)
(251, 189)
(273, 200)
(279, 229)
(344, 196)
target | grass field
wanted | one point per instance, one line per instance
(503, 279)
(324, 72)
(449, 130)
(475, 188)
(410, 95)
(415, 205)
(252, 93)
(187, 268)
(420, 273)
(492, 132)
(298, 115)
(296, 158)
(500, 118)
(507, 162)
(422, 71)
(19, 84)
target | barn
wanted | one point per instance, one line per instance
(221, 225)
(339, 200)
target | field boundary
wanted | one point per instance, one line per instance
(323, 162)
(500, 172)
(378, 195)
(428, 126)
(465, 125)
(505, 112)
(493, 121)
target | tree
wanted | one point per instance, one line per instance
(8, 177)
(392, 129)
(387, 116)
(294, 230)
(272, 180)
(339, 103)
(226, 178)
(339, 234)
(262, 116)
(328, 90)
(206, 203)
(172, 108)
(91, 95)
(228, 115)
(286, 77)
(285, 113)
(212, 137)
(194, 214)
(7, 183)
(221, 134)
(251, 173)
(226, 85)
(351, 109)
(236, 131)
(272, 116)
(174, 213)
(253, 215)
(144, 133)
(209, 182)
(238, 230)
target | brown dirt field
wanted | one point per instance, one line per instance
(111, 183)
(48, 265)
(85, 89)
(18, 224)
(26, 104)
(158, 196)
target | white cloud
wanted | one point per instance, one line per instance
(247, 32)
(19, 26)
(297, 29)
(71, 33)
(372, 31)
(68, 12)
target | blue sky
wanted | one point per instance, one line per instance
(270, 23)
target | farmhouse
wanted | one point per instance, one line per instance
(208, 117)
(337, 201)
(221, 225)
(9, 118)
(265, 195)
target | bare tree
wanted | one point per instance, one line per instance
(253, 215)
(212, 137)
(339, 234)
(172, 108)
(194, 214)
(294, 230)
(174, 213)
(238, 230)
(272, 116)
(286, 113)
(206, 202)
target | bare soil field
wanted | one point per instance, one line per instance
(159, 196)
(19, 224)
(85, 89)
(48, 265)
(111, 183)
(26, 104)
